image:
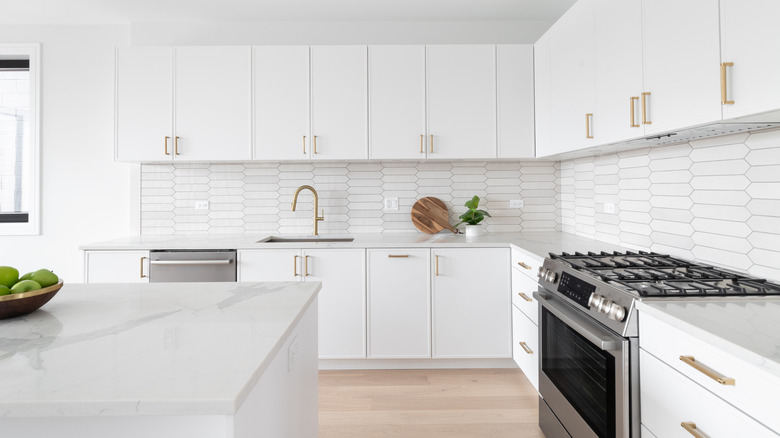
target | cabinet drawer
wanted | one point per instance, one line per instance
(669, 399)
(522, 295)
(526, 332)
(526, 263)
(754, 390)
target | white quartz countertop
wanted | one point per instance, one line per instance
(537, 243)
(146, 349)
(746, 328)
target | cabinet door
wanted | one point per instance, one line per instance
(144, 103)
(515, 100)
(525, 346)
(542, 90)
(461, 96)
(342, 300)
(681, 63)
(339, 102)
(270, 265)
(574, 122)
(397, 102)
(213, 103)
(399, 303)
(747, 29)
(281, 86)
(471, 303)
(117, 266)
(618, 49)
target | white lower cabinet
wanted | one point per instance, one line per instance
(116, 266)
(399, 303)
(471, 304)
(525, 345)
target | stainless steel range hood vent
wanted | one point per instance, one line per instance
(686, 135)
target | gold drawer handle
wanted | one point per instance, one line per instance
(304, 144)
(421, 144)
(398, 256)
(306, 266)
(523, 265)
(632, 101)
(723, 99)
(166, 145)
(524, 296)
(142, 267)
(690, 427)
(525, 347)
(437, 266)
(707, 371)
(644, 108)
(295, 266)
(588, 118)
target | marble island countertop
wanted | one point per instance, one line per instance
(145, 349)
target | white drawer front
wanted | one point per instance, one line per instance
(525, 331)
(669, 399)
(754, 391)
(522, 295)
(526, 263)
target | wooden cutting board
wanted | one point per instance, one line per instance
(430, 215)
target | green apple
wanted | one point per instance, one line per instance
(25, 286)
(44, 277)
(4, 290)
(25, 276)
(8, 276)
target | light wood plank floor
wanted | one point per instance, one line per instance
(475, 403)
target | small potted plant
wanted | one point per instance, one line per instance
(473, 217)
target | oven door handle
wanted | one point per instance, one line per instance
(590, 330)
(191, 262)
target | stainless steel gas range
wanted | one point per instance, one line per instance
(588, 333)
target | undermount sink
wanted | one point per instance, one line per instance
(305, 239)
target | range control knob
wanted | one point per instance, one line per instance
(540, 272)
(605, 306)
(551, 276)
(616, 312)
(595, 301)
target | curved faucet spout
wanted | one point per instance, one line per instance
(316, 205)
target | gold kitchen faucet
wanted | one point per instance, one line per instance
(316, 204)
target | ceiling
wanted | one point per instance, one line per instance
(129, 11)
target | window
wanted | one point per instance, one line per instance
(19, 147)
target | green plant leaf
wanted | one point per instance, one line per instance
(473, 204)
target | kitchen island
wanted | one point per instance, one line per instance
(163, 360)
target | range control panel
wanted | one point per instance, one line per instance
(576, 289)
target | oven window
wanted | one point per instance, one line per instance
(583, 373)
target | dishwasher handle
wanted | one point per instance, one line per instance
(191, 262)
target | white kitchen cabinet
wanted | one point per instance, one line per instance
(269, 265)
(281, 117)
(681, 57)
(116, 266)
(339, 102)
(542, 94)
(193, 104)
(144, 103)
(399, 303)
(748, 29)
(471, 303)
(461, 101)
(525, 345)
(515, 100)
(397, 102)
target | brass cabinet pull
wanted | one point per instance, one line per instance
(632, 102)
(398, 256)
(431, 145)
(707, 371)
(306, 266)
(142, 267)
(523, 265)
(437, 266)
(166, 145)
(295, 266)
(723, 98)
(315, 144)
(421, 144)
(524, 296)
(176, 145)
(525, 347)
(588, 118)
(690, 427)
(644, 108)
(304, 144)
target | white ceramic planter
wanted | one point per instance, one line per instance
(474, 230)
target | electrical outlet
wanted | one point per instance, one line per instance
(391, 204)
(516, 203)
(201, 205)
(609, 208)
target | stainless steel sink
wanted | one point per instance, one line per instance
(305, 239)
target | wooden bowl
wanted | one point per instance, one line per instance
(24, 303)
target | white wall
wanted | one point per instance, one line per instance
(85, 196)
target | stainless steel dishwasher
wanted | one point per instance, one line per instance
(168, 266)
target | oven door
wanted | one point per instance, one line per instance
(585, 373)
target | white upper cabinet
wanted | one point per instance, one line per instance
(281, 87)
(213, 103)
(339, 102)
(461, 101)
(572, 75)
(681, 53)
(144, 103)
(542, 90)
(618, 44)
(397, 102)
(515, 100)
(749, 39)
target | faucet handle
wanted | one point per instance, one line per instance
(321, 217)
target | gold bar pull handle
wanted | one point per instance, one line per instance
(632, 102)
(523, 265)
(166, 145)
(398, 256)
(142, 267)
(430, 146)
(524, 296)
(690, 427)
(306, 266)
(176, 145)
(723, 95)
(295, 266)
(437, 266)
(304, 145)
(315, 144)
(588, 119)
(707, 371)
(525, 347)
(421, 144)
(644, 108)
